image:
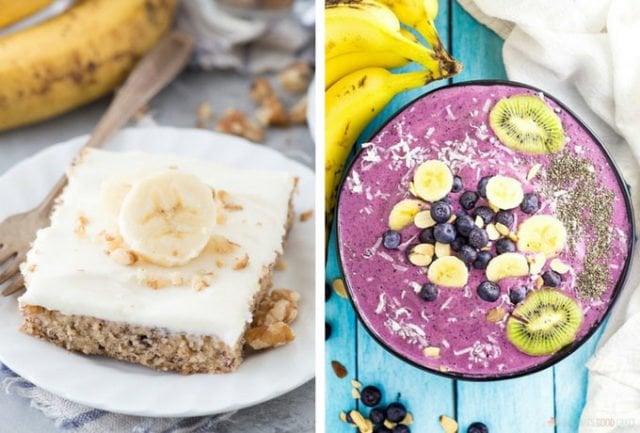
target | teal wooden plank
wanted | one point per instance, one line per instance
(425, 395)
(571, 386)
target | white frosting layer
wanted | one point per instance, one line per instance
(73, 274)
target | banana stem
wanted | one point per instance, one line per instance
(447, 64)
(419, 54)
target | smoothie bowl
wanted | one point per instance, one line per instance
(484, 232)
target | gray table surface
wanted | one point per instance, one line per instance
(175, 106)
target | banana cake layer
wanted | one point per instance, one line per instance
(88, 291)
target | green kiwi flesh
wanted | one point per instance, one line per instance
(544, 323)
(527, 124)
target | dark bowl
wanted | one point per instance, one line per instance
(567, 350)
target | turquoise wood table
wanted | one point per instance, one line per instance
(546, 402)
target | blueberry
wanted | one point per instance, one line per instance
(484, 257)
(457, 184)
(477, 427)
(505, 245)
(327, 331)
(396, 412)
(444, 233)
(377, 415)
(391, 239)
(517, 294)
(488, 291)
(485, 213)
(478, 238)
(428, 292)
(530, 203)
(464, 224)
(426, 236)
(382, 429)
(401, 428)
(458, 243)
(482, 186)
(370, 395)
(504, 217)
(440, 211)
(468, 254)
(551, 279)
(468, 199)
(327, 292)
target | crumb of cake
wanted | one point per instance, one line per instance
(295, 77)
(111, 241)
(339, 288)
(204, 114)
(261, 89)
(305, 216)
(235, 122)
(81, 225)
(268, 336)
(241, 263)
(155, 282)
(281, 264)
(496, 314)
(271, 112)
(124, 257)
(200, 282)
(298, 113)
(221, 218)
(225, 199)
(431, 351)
(221, 245)
(339, 369)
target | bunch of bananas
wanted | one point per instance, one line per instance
(75, 57)
(364, 39)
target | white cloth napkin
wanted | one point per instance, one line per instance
(585, 52)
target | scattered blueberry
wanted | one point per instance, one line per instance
(505, 245)
(504, 217)
(377, 415)
(440, 211)
(464, 224)
(327, 292)
(426, 236)
(468, 254)
(382, 429)
(391, 239)
(551, 279)
(484, 257)
(458, 243)
(444, 233)
(401, 428)
(485, 213)
(477, 427)
(530, 203)
(370, 395)
(396, 412)
(429, 292)
(468, 199)
(489, 291)
(478, 238)
(457, 184)
(327, 331)
(482, 186)
(517, 294)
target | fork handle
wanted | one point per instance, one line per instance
(156, 69)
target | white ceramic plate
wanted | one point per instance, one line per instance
(311, 109)
(120, 387)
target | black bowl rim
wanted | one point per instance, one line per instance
(566, 351)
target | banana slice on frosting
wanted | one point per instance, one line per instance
(167, 217)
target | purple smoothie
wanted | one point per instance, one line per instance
(451, 125)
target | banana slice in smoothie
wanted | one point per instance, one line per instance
(542, 234)
(507, 265)
(504, 192)
(432, 180)
(448, 271)
(403, 213)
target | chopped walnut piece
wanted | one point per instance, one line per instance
(155, 283)
(496, 314)
(200, 282)
(281, 264)
(272, 113)
(204, 115)
(304, 216)
(124, 257)
(261, 89)
(225, 199)
(281, 305)
(221, 245)
(274, 335)
(221, 218)
(298, 113)
(81, 225)
(295, 77)
(241, 263)
(220, 263)
(111, 241)
(237, 123)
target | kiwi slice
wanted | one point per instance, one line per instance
(527, 124)
(544, 323)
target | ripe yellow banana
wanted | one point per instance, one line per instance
(76, 57)
(421, 15)
(344, 64)
(369, 26)
(12, 11)
(351, 103)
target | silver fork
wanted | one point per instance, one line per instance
(158, 68)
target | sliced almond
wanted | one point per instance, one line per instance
(343, 417)
(423, 220)
(539, 282)
(492, 232)
(559, 266)
(431, 351)
(479, 222)
(389, 424)
(513, 236)
(496, 314)
(452, 219)
(493, 207)
(421, 254)
(355, 393)
(360, 421)
(339, 288)
(502, 229)
(407, 420)
(533, 171)
(449, 425)
(536, 263)
(356, 384)
(442, 250)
